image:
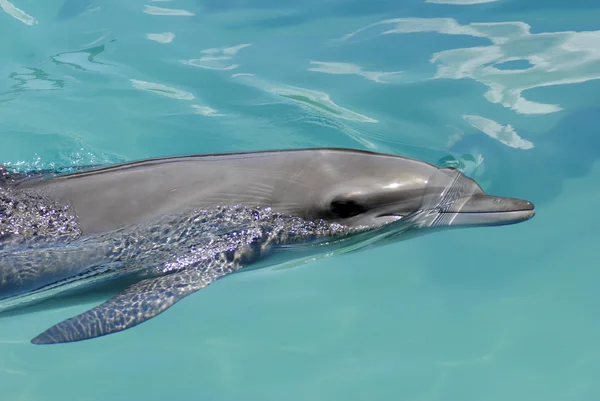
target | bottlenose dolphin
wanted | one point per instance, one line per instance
(174, 225)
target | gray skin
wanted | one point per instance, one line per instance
(178, 224)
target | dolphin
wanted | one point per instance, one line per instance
(174, 225)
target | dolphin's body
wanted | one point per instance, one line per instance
(174, 225)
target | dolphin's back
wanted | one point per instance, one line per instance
(109, 198)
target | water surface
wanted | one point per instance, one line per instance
(505, 90)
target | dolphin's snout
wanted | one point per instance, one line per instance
(490, 204)
(486, 210)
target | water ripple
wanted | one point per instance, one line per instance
(161, 89)
(353, 69)
(153, 10)
(316, 101)
(217, 58)
(556, 58)
(166, 37)
(17, 13)
(206, 111)
(505, 134)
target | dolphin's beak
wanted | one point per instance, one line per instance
(486, 210)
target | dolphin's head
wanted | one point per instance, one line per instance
(368, 189)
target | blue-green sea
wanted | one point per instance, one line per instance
(508, 91)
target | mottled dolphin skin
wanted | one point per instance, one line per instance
(174, 225)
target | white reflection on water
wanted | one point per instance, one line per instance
(320, 109)
(217, 58)
(503, 133)
(206, 111)
(556, 58)
(174, 93)
(314, 100)
(153, 10)
(166, 37)
(161, 89)
(17, 13)
(353, 69)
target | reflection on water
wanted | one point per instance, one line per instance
(17, 13)
(569, 150)
(206, 111)
(174, 93)
(84, 59)
(166, 37)
(353, 69)
(312, 99)
(309, 107)
(505, 134)
(161, 89)
(556, 58)
(217, 58)
(74, 8)
(33, 79)
(153, 10)
(516, 60)
(442, 80)
(319, 106)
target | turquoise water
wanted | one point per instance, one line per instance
(505, 90)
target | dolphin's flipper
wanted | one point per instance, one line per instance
(138, 303)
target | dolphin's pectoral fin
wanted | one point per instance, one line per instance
(138, 303)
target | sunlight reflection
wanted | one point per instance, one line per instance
(311, 99)
(353, 69)
(319, 107)
(505, 134)
(217, 58)
(206, 111)
(153, 10)
(17, 13)
(161, 89)
(166, 37)
(556, 58)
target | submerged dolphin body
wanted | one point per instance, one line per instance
(174, 225)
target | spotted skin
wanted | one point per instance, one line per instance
(33, 219)
(174, 256)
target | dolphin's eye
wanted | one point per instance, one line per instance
(346, 208)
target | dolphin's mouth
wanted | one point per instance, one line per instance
(484, 210)
(469, 211)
